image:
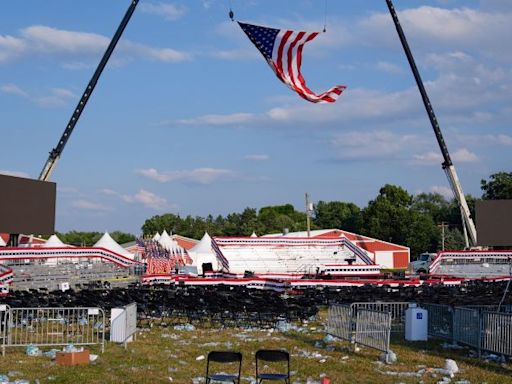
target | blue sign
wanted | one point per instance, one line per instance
(419, 316)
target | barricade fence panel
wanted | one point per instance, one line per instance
(466, 326)
(339, 322)
(396, 309)
(54, 326)
(440, 320)
(496, 334)
(373, 329)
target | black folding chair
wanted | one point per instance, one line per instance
(273, 355)
(224, 357)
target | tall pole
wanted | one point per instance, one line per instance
(448, 167)
(57, 151)
(308, 214)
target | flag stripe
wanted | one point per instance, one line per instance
(283, 52)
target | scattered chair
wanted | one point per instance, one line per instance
(224, 357)
(273, 355)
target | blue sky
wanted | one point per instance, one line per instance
(188, 118)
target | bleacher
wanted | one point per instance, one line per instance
(40, 275)
(262, 256)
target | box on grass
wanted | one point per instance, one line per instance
(72, 358)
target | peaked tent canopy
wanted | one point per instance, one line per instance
(2, 242)
(54, 242)
(167, 242)
(202, 253)
(109, 243)
(156, 237)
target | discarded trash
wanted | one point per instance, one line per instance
(451, 366)
(32, 350)
(388, 357)
(51, 353)
(4, 379)
(328, 339)
(93, 357)
(198, 358)
(184, 327)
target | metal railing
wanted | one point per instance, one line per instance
(53, 326)
(339, 322)
(396, 309)
(466, 326)
(496, 332)
(473, 326)
(359, 325)
(440, 321)
(373, 329)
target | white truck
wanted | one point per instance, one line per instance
(422, 264)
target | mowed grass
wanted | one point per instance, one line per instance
(167, 355)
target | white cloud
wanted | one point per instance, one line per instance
(443, 191)
(463, 155)
(55, 97)
(236, 54)
(235, 118)
(11, 47)
(198, 175)
(89, 205)
(371, 145)
(148, 199)
(166, 10)
(13, 89)
(442, 27)
(429, 158)
(41, 39)
(256, 157)
(387, 67)
(14, 173)
(50, 40)
(488, 140)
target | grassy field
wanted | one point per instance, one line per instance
(167, 355)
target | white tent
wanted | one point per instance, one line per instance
(156, 237)
(2, 242)
(109, 243)
(54, 242)
(202, 253)
(167, 242)
(254, 234)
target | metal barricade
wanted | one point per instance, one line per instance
(4, 309)
(496, 335)
(373, 329)
(440, 321)
(54, 326)
(339, 322)
(396, 309)
(466, 326)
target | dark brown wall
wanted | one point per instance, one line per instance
(27, 206)
(494, 222)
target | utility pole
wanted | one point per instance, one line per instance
(309, 209)
(443, 225)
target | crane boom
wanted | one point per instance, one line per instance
(447, 164)
(56, 152)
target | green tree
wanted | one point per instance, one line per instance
(499, 186)
(338, 214)
(122, 237)
(387, 217)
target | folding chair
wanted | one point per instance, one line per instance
(224, 357)
(273, 355)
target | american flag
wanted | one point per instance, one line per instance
(283, 52)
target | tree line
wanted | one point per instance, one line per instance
(394, 215)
